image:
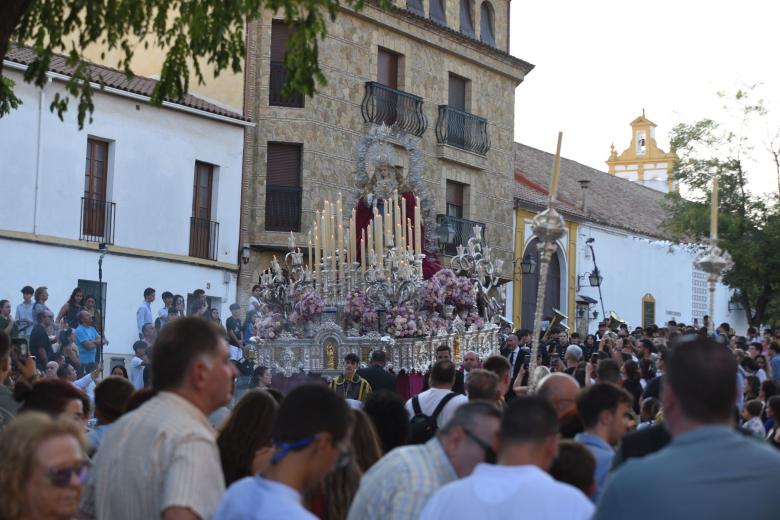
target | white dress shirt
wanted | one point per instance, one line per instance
(256, 498)
(501, 492)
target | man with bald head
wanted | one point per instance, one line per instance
(562, 390)
(88, 340)
(470, 362)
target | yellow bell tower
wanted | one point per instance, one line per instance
(643, 161)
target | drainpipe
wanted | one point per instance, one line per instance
(39, 153)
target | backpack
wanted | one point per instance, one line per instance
(423, 427)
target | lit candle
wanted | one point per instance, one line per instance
(353, 234)
(556, 173)
(370, 236)
(403, 217)
(341, 253)
(291, 241)
(317, 248)
(388, 228)
(714, 209)
(309, 259)
(363, 252)
(417, 227)
(409, 242)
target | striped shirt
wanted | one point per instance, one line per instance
(397, 487)
(162, 455)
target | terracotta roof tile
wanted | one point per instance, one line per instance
(611, 201)
(117, 79)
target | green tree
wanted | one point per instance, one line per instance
(189, 31)
(749, 224)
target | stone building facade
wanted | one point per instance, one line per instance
(423, 67)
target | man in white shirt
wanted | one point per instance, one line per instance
(311, 436)
(138, 364)
(441, 379)
(144, 313)
(161, 460)
(519, 484)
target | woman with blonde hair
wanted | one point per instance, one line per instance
(44, 465)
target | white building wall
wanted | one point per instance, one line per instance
(634, 266)
(126, 277)
(150, 178)
(151, 170)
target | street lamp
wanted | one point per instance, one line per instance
(528, 265)
(103, 248)
(245, 253)
(595, 278)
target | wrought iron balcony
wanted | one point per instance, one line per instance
(283, 208)
(97, 220)
(277, 83)
(383, 104)
(454, 231)
(462, 130)
(204, 237)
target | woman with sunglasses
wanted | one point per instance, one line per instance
(44, 465)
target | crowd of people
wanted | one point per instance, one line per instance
(662, 421)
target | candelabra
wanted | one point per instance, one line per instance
(396, 280)
(713, 260)
(549, 228)
(476, 262)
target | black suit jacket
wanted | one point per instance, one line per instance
(379, 378)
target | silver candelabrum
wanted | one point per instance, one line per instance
(548, 227)
(714, 261)
(476, 261)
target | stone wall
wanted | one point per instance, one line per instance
(330, 126)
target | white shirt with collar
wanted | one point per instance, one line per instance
(257, 498)
(501, 492)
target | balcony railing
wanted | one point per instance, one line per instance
(278, 81)
(204, 237)
(97, 220)
(283, 208)
(455, 231)
(462, 130)
(383, 104)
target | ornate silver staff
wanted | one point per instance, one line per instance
(548, 228)
(713, 260)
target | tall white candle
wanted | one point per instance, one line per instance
(363, 252)
(403, 217)
(417, 228)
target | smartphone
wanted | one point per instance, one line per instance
(526, 360)
(20, 347)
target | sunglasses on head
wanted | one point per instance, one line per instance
(283, 448)
(61, 477)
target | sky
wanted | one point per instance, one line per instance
(598, 64)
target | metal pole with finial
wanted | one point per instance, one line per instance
(548, 227)
(713, 260)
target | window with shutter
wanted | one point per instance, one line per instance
(94, 204)
(486, 34)
(283, 187)
(457, 93)
(454, 199)
(387, 68)
(203, 232)
(280, 35)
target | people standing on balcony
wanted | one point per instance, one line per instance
(71, 308)
(144, 313)
(24, 312)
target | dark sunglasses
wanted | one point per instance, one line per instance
(61, 477)
(490, 455)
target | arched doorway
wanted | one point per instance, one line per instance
(552, 297)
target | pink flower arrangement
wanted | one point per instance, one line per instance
(456, 290)
(268, 326)
(402, 322)
(307, 307)
(360, 310)
(432, 294)
(473, 320)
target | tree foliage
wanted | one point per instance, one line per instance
(191, 32)
(749, 224)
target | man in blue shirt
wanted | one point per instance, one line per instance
(708, 467)
(87, 339)
(603, 409)
(774, 352)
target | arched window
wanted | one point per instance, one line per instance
(466, 23)
(552, 293)
(437, 11)
(486, 33)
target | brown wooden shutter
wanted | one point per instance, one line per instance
(201, 191)
(457, 93)
(96, 171)
(280, 33)
(455, 193)
(284, 165)
(387, 68)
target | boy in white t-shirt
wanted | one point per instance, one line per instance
(137, 365)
